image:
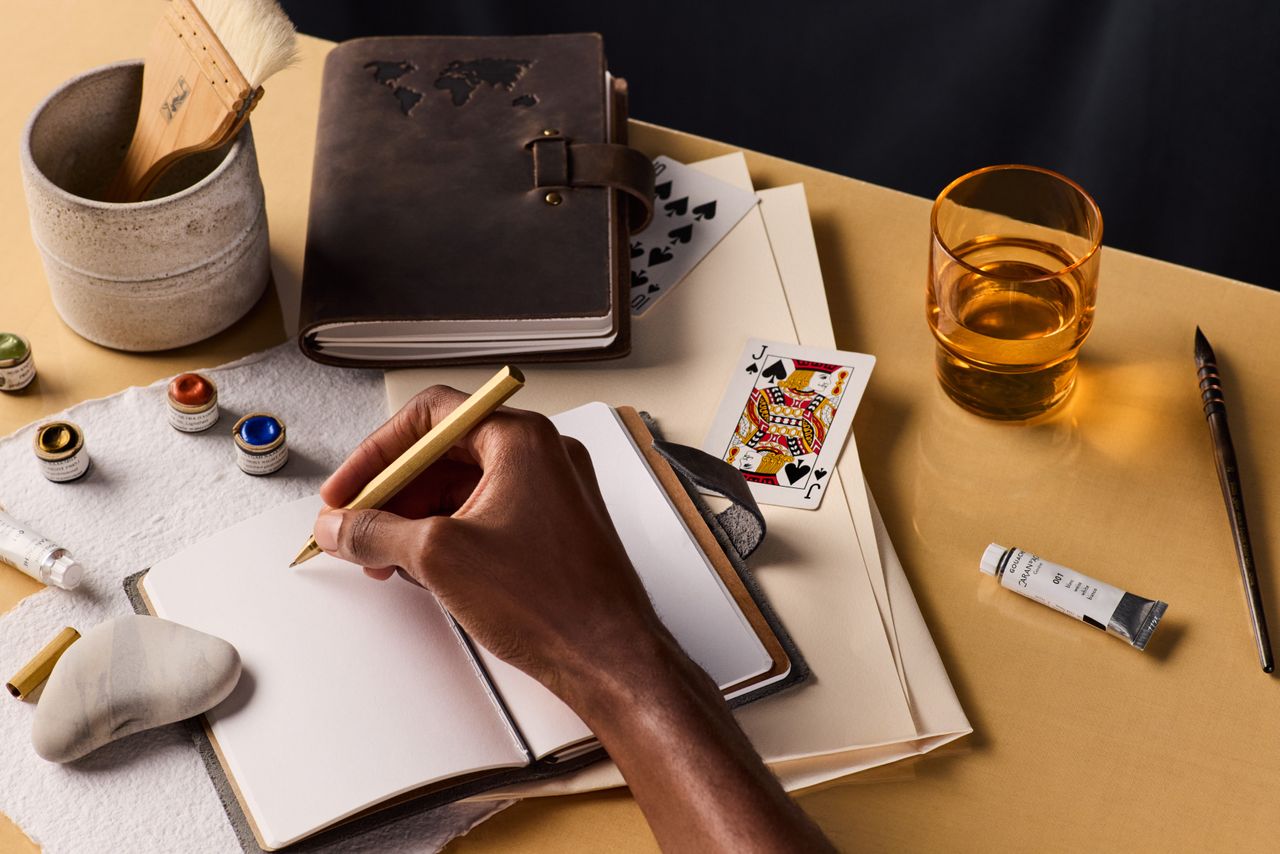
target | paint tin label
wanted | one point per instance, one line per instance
(18, 376)
(193, 422)
(68, 468)
(259, 464)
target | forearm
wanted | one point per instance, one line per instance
(693, 772)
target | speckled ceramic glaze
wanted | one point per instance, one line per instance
(173, 269)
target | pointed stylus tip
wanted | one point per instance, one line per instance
(1203, 350)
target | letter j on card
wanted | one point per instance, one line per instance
(785, 416)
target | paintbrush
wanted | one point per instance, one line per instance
(1224, 454)
(202, 76)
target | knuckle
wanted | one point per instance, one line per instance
(434, 535)
(427, 404)
(370, 448)
(578, 453)
(360, 530)
(432, 394)
(516, 434)
(536, 427)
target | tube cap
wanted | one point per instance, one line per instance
(991, 558)
(66, 573)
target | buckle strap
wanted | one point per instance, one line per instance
(559, 163)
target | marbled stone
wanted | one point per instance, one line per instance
(126, 675)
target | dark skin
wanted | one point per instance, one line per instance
(568, 610)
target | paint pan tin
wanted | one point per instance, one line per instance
(17, 368)
(60, 451)
(193, 403)
(260, 443)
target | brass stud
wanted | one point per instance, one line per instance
(550, 132)
(553, 198)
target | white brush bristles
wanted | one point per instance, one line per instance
(257, 33)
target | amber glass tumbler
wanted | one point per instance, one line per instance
(1013, 279)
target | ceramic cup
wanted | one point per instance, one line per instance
(176, 268)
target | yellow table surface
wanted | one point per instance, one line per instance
(1079, 741)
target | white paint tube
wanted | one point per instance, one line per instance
(1128, 617)
(37, 555)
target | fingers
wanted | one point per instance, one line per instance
(496, 454)
(369, 537)
(440, 490)
(389, 441)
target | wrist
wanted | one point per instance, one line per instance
(603, 685)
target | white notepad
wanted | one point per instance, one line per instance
(356, 691)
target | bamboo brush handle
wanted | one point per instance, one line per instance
(194, 98)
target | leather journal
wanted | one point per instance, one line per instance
(336, 732)
(470, 201)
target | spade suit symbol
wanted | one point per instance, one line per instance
(707, 210)
(659, 255)
(638, 278)
(636, 250)
(752, 369)
(663, 190)
(795, 471)
(819, 474)
(681, 234)
(776, 372)
(678, 207)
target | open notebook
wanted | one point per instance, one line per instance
(357, 693)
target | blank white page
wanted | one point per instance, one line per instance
(684, 587)
(353, 690)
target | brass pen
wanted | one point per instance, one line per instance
(431, 447)
(1215, 412)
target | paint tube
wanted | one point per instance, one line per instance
(36, 555)
(1129, 617)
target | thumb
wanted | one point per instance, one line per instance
(367, 537)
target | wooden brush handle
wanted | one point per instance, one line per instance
(194, 99)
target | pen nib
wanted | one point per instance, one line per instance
(309, 551)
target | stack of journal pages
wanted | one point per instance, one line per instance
(881, 693)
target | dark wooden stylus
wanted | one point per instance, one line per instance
(1215, 412)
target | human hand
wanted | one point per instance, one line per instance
(510, 533)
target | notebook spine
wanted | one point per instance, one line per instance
(482, 674)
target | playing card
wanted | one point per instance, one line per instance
(785, 416)
(692, 212)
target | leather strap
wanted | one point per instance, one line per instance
(559, 163)
(742, 520)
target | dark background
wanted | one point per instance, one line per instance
(1167, 112)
